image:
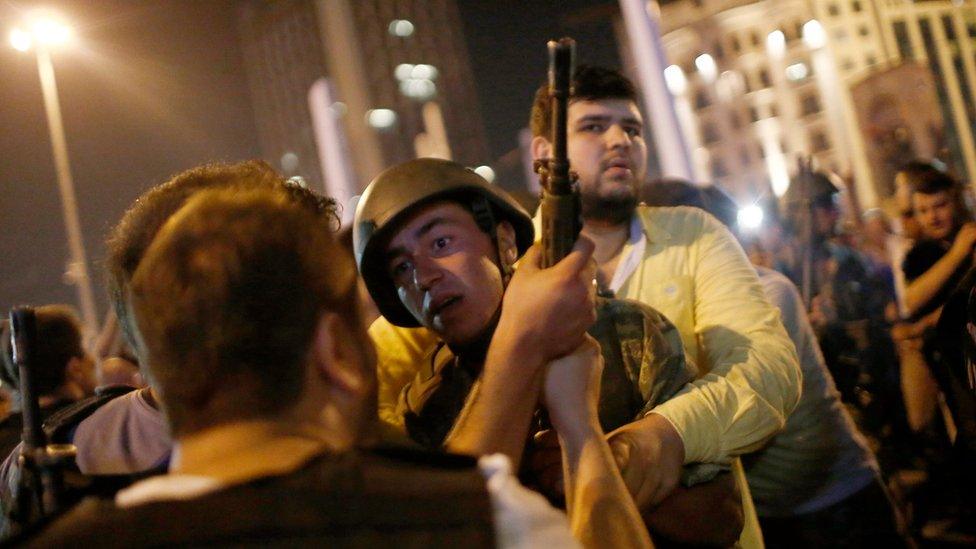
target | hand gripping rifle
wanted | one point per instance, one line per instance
(41, 486)
(560, 207)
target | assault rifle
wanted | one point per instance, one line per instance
(560, 206)
(42, 465)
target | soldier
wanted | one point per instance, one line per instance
(415, 225)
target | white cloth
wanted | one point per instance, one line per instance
(523, 519)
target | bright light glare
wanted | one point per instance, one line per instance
(50, 31)
(776, 43)
(20, 40)
(797, 71)
(706, 67)
(403, 71)
(750, 218)
(381, 119)
(339, 109)
(814, 35)
(674, 77)
(486, 172)
(401, 28)
(418, 89)
(424, 72)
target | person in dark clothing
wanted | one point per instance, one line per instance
(64, 370)
(933, 268)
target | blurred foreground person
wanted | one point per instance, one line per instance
(121, 431)
(816, 483)
(248, 319)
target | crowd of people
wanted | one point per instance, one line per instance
(654, 387)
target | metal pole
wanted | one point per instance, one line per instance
(78, 265)
(644, 35)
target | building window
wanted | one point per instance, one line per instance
(819, 142)
(735, 44)
(904, 43)
(753, 114)
(809, 104)
(856, 6)
(718, 169)
(709, 133)
(950, 29)
(701, 99)
(745, 157)
(764, 80)
(833, 10)
(870, 60)
(863, 30)
(754, 39)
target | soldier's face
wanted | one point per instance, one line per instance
(445, 273)
(606, 148)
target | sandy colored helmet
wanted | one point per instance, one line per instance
(398, 192)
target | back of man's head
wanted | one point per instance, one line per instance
(135, 232)
(227, 299)
(590, 83)
(58, 341)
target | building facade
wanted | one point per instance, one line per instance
(759, 84)
(399, 79)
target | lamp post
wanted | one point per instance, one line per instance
(44, 34)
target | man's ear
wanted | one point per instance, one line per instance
(541, 148)
(507, 243)
(333, 357)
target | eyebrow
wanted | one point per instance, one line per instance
(606, 118)
(419, 233)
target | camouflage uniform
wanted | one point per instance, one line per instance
(644, 365)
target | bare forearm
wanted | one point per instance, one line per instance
(601, 511)
(498, 412)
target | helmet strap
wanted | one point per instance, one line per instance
(483, 216)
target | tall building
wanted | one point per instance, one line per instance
(942, 36)
(399, 77)
(283, 56)
(758, 84)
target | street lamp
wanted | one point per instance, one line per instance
(42, 34)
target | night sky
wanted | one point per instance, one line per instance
(155, 87)
(152, 88)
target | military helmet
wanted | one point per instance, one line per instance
(397, 192)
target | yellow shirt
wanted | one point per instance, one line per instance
(694, 272)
